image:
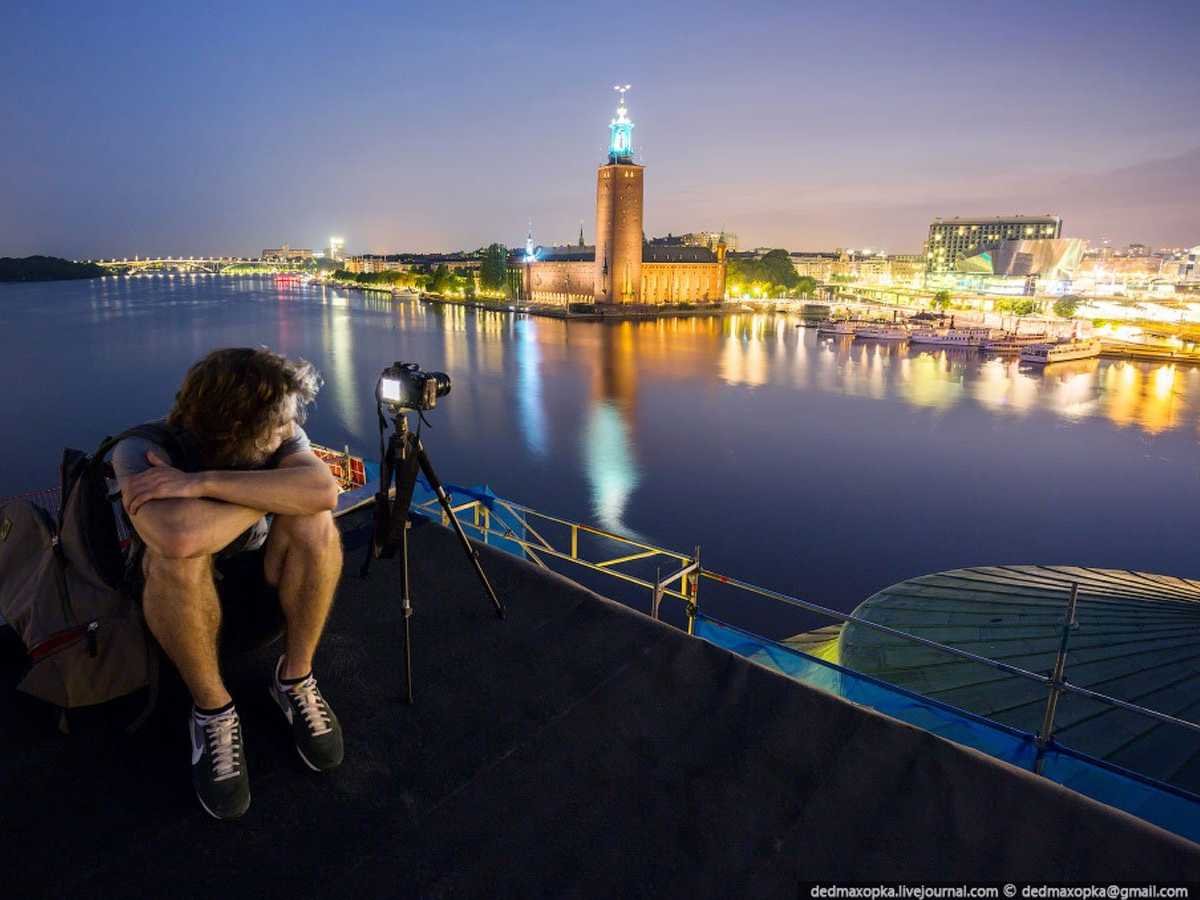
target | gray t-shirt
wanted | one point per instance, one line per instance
(129, 458)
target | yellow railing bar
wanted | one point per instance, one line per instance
(546, 548)
(625, 559)
(600, 532)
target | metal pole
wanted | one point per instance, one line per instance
(1056, 680)
(656, 594)
(693, 606)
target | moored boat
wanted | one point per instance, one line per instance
(887, 331)
(1062, 351)
(953, 337)
(1013, 343)
(839, 327)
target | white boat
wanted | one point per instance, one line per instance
(953, 337)
(886, 331)
(1062, 351)
(1014, 343)
(838, 327)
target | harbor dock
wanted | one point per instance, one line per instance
(577, 748)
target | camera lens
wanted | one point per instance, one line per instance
(442, 380)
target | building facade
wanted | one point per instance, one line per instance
(621, 268)
(907, 269)
(405, 262)
(287, 254)
(818, 265)
(953, 239)
(708, 239)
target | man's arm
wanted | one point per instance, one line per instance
(178, 528)
(170, 523)
(301, 486)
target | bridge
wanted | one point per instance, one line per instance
(213, 265)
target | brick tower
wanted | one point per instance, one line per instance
(619, 235)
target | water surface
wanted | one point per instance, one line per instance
(821, 468)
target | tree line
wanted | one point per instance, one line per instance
(773, 275)
(441, 279)
(46, 268)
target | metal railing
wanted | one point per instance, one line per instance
(560, 539)
(511, 522)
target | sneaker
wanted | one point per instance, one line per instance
(315, 728)
(219, 772)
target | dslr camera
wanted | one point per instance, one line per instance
(404, 387)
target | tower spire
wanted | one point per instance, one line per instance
(620, 130)
(581, 232)
(529, 241)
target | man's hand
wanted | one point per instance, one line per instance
(161, 481)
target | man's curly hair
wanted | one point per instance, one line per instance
(231, 400)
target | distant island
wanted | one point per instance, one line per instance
(45, 268)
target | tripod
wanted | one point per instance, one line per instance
(399, 463)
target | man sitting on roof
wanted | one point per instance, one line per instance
(253, 481)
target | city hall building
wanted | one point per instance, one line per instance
(621, 268)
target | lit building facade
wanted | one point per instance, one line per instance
(620, 268)
(907, 269)
(817, 265)
(1014, 268)
(405, 262)
(369, 263)
(287, 254)
(953, 239)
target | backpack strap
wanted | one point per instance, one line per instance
(181, 450)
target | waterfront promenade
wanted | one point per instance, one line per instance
(576, 748)
(1112, 348)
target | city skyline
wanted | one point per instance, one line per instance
(172, 133)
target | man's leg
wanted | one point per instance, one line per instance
(304, 561)
(183, 612)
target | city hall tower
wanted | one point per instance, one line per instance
(619, 235)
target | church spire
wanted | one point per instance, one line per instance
(581, 232)
(529, 241)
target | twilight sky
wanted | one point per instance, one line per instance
(161, 127)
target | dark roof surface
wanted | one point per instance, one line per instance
(567, 253)
(576, 749)
(653, 253)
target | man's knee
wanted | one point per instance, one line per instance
(316, 534)
(180, 572)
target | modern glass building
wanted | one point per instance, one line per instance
(953, 239)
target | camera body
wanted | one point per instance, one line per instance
(403, 387)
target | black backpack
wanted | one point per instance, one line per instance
(72, 592)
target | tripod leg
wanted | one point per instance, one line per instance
(387, 470)
(406, 607)
(472, 553)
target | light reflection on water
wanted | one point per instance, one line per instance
(829, 468)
